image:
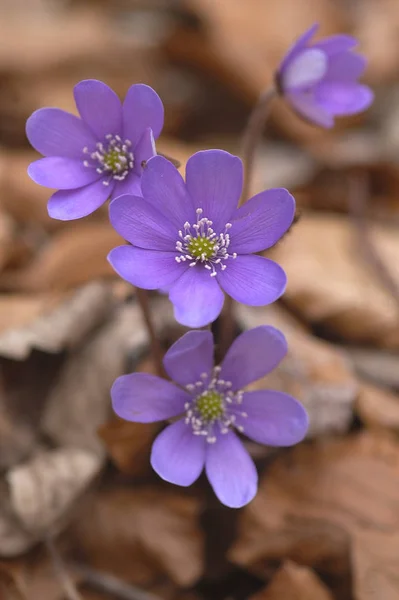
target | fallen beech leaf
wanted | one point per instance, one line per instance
(378, 408)
(376, 365)
(315, 499)
(315, 372)
(138, 533)
(41, 491)
(73, 256)
(376, 565)
(20, 310)
(292, 582)
(57, 327)
(331, 284)
(80, 400)
(129, 444)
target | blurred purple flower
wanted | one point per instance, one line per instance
(319, 80)
(98, 156)
(212, 404)
(191, 239)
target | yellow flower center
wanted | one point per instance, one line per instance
(201, 247)
(210, 406)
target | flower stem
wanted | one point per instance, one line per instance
(156, 351)
(226, 328)
(252, 136)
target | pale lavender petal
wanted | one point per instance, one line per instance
(253, 280)
(61, 173)
(67, 205)
(307, 107)
(231, 471)
(163, 186)
(131, 185)
(142, 108)
(147, 269)
(269, 215)
(145, 398)
(345, 66)
(298, 46)
(335, 44)
(140, 223)
(197, 297)
(306, 69)
(144, 150)
(343, 98)
(190, 357)
(255, 353)
(99, 107)
(54, 132)
(214, 181)
(274, 418)
(177, 455)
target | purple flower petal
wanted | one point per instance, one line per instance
(197, 297)
(163, 186)
(274, 418)
(231, 471)
(131, 186)
(177, 455)
(253, 280)
(345, 66)
(306, 69)
(99, 107)
(214, 180)
(54, 132)
(142, 108)
(190, 357)
(343, 98)
(269, 215)
(335, 44)
(144, 398)
(307, 107)
(147, 269)
(67, 205)
(144, 150)
(298, 46)
(140, 223)
(61, 173)
(255, 353)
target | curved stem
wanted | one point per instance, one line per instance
(252, 136)
(156, 351)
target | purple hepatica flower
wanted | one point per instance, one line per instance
(98, 156)
(319, 80)
(212, 405)
(191, 239)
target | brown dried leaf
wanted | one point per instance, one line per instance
(317, 373)
(292, 582)
(331, 284)
(73, 256)
(380, 367)
(137, 533)
(378, 408)
(80, 400)
(316, 498)
(57, 326)
(129, 444)
(41, 491)
(376, 565)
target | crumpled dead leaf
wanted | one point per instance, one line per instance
(378, 408)
(315, 500)
(330, 284)
(54, 328)
(293, 582)
(72, 257)
(315, 372)
(80, 399)
(136, 533)
(41, 491)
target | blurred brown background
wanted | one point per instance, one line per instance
(78, 500)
